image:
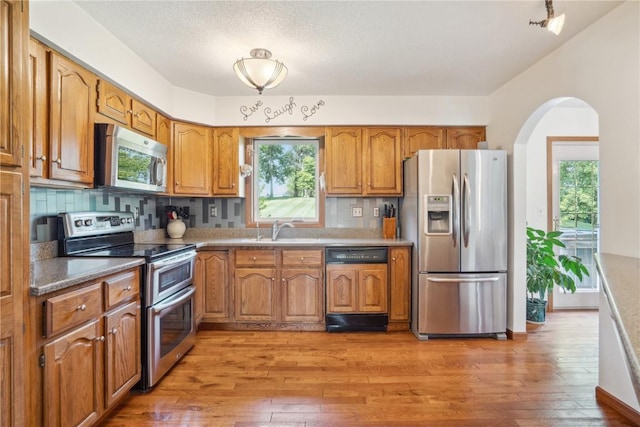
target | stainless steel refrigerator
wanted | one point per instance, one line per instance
(454, 210)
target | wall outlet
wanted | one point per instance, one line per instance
(213, 211)
(136, 213)
(355, 212)
(376, 212)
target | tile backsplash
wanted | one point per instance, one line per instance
(46, 203)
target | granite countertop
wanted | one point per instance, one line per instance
(620, 277)
(53, 274)
(202, 242)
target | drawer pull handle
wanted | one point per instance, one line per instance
(301, 258)
(58, 161)
(128, 288)
(82, 307)
(100, 338)
(113, 331)
(254, 258)
(43, 158)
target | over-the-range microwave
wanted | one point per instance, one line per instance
(127, 160)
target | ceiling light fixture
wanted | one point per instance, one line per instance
(260, 71)
(552, 23)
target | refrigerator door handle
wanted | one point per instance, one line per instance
(463, 279)
(455, 190)
(466, 195)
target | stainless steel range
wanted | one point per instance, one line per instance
(167, 297)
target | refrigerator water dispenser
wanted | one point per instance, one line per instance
(438, 207)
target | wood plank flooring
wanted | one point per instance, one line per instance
(316, 379)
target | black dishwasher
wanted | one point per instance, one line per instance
(350, 272)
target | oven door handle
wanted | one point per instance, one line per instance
(174, 301)
(188, 256)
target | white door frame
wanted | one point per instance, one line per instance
(590, 152)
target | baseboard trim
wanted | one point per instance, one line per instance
(516, 336)
(617, 405)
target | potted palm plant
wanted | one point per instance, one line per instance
(545, 268)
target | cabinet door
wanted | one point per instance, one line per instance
(143, 118)
(255, 294)
(465, 138)
(191, 159)
(14, 30)
(372, 288)
(226, 169)
(122, 360)
(302, 295)
(72, 104)
(343, 147)
(72, 378)
(383, 162)
(13, 280)
(212, 270)
(422, 138)
(39, 146)
(400, 286)
(342, 288)
(114, 102)
(163, 135)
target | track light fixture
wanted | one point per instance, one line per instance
(552, 23)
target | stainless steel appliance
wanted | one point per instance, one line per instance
(167, 297)
(128, 160)
(454, 210)
(355, 321)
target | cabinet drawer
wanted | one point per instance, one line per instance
(302, 257)
(123, 287)
(72, 309)
(255, 257)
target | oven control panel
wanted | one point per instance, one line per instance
(77, 224)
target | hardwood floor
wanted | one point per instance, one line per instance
(313, 379)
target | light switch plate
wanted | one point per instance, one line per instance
(213, 211)
(376, 212)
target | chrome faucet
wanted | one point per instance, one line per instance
(275, 228)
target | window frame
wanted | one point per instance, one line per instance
(252, 134)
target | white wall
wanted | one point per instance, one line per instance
(560, 121)
(71, 30)
(600, 66)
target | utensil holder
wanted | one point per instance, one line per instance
(389, 228)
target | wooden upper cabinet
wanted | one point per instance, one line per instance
(39, 144)
(164, 136)
(116, 104)
(191, 159)
(71, 119)
(14, 29)
(226, 166)
(383, 161)
(422, 138)
(343, 148)
(465, 138)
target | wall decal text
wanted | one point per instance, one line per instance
(270, 114)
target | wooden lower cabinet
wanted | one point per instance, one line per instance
(122, 351)
(399, 288)
(255, 294)
(213, 299)
(73, 382)
(89, 364)
(357, 288)
(302, 299)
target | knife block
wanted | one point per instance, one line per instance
(389, 226)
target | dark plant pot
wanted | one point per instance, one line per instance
(536, 310)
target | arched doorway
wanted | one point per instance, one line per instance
(522, 161)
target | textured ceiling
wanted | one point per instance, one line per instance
(393, 48)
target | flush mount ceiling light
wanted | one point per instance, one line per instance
(260, 71)
(552, 23)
